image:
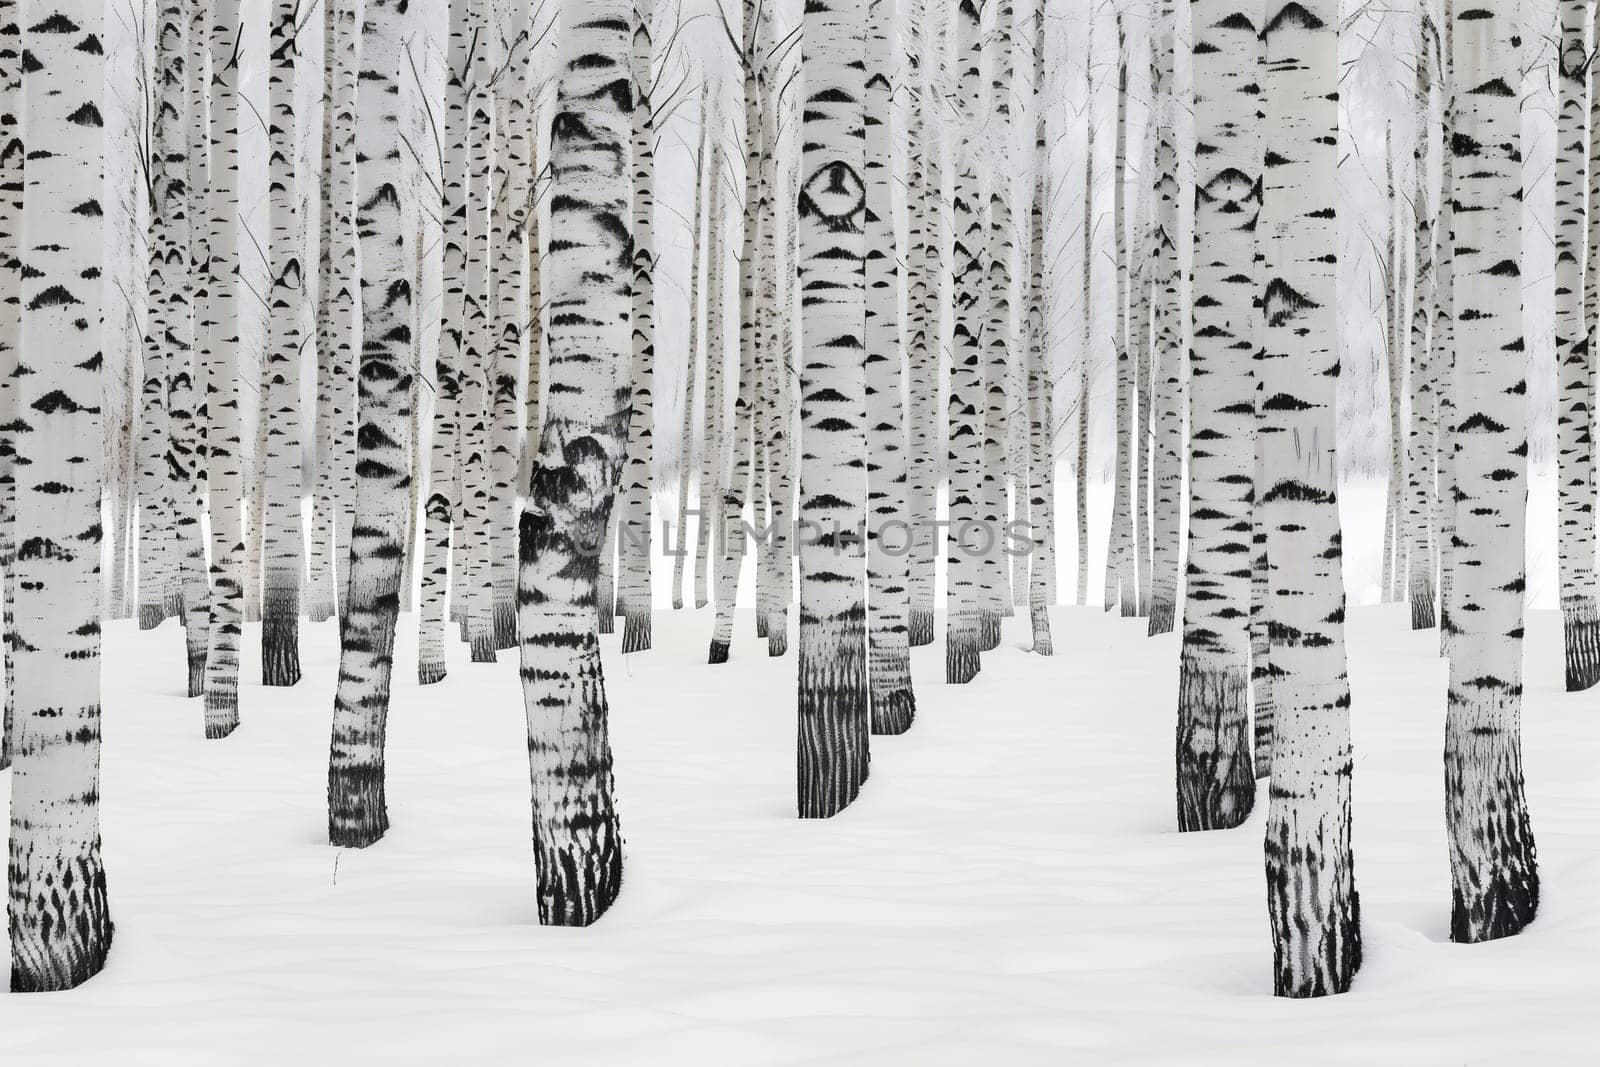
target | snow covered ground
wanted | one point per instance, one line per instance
(1009, 887)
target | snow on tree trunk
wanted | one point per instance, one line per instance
(634, 561)
(59, 921)
(833, 700)
(1492, 858)
(577, 840)
(1216, 784)
(224, 442)
(283, 544)
(1580, 616)
(964, 595)
(357, 815)
(1311, 895)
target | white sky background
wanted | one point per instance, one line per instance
(1371, 98)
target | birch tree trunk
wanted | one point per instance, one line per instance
(686, 469)
(634, 560)
(716, 346)
(1311, 895)
(224, 444)
(1216, 783)
(444, 476)
(357, 814)
(833, 700)
(1444, 339)
(283, 548)
(1121, 564)
(1165, 433)
(1492, 856)
(925, 264)
(1040, 382)
(59, 921)
(577, 840)
(1580, 616)
(964, 594)
(11, 192)
(1422, 441)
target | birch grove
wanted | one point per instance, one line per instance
(365, 329)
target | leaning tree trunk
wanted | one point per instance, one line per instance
(1216, 783)
(834, 728)
(634, 559)
(357, 815)
(1580, 616)
(60, 925)
(1311, 894)
(577, 839)
(1492, 857)
(283, 544)
(964, 599)
(224, 442)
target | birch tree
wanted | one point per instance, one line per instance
(833, 699)
(1311, 895)
(283, 548)
(1580, 616)
(59, 920)
(1164, 436)
(922, 28)
(1421, 441)
(224, 444)
(577, 839)
(1492, 857)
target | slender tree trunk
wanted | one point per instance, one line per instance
(1492, 856)
(634, 565)
(60, 924)
(1421, 441)
(11, 193)
(834, 713)
(964, 605)
(577, 839)
(716, 347)
(477, 519)
(1165, 435)
(1216, 783)
(1085, 357)
(357, 815)
(1580, 616)
(925, 266)
(224, 443)
(283, 543)
(1311, 894)
(680, 548)
(1040, 396)
(1121, 564)
(1444, 343)
(888, 642)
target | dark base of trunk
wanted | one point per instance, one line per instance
(1503, 908)
(197, 670)
(1161, 617)
(505, 624)
(919, 627)
(719, 652)
(961, 663)
(88, 958)
(778, 633)
(700, 602)
(357, 812)
(1216, 784)
(1043, 643)
(636, 631)
(576, 888)
(222, 712)
(1422, 603)
(988, 631)
(1581, 628)
(280, 651)
(761, 623)
(1316, 948)
(606, 609)
(483, 647)
(151, 616)
(893, 712)
(429, 673)
(1130, 607)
